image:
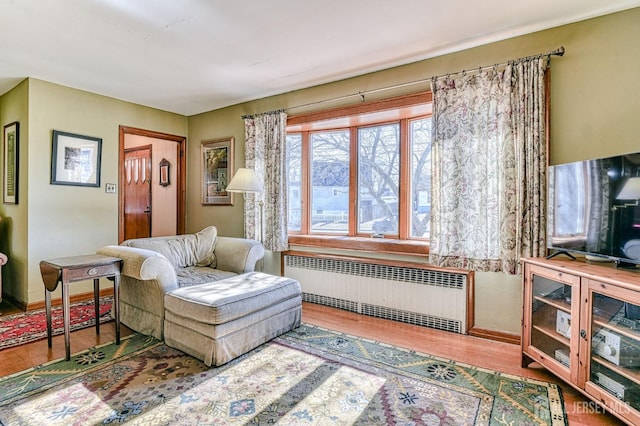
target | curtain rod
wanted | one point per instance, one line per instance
(275, 111)
(558, 52)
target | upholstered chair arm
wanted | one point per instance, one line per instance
(144, 265)
(145, 278)
(237, 255)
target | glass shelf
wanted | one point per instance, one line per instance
(551, 318)
(615, 348)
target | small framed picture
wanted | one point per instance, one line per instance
(11, 149)
(165, 179)
(217, 166)
(75, 159)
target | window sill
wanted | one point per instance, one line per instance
(379, 245)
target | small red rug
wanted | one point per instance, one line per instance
(18, 329)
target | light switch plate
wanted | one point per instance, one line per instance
(110, 188)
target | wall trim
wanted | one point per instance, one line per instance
(500, 336)
(58, 301)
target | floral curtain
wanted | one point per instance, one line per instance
(529, 121)
(489, 142)
(265, 143)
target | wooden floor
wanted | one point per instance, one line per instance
(494, 355)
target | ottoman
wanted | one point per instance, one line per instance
(221, 320)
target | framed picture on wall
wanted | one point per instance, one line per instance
(165, 174)
(75, 159)
(10, 149)
(216, 167)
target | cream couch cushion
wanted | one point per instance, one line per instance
(234, 297)
(218, 321)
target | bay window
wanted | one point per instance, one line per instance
(361, 172)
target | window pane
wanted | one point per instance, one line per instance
(420, 140)
(330, 182)
(570, 187)
(378, 178)
(294, 181)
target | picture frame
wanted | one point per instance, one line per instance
(10, 157)
(164, 175)
(75, 159)
(216, 167)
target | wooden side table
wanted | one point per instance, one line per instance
(72, 269)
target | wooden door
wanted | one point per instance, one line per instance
(137, 192)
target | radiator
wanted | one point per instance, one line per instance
(416, 295)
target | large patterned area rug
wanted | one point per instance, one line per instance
(18, 329)
(307, 376)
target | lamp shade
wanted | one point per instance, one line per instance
(630, 190)
(245, 180)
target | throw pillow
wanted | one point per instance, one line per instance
(183, 250)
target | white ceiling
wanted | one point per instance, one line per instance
(192, 56)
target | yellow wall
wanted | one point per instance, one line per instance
(595, 107)
(228, 219)
(55, 220)
(14, 106)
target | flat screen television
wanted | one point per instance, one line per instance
(593, 209)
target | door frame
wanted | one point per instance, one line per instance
(180, 174)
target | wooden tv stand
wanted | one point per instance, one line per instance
(580, 321)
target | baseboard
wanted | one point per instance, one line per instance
(21, 305)
(500, 336)
(58, 302)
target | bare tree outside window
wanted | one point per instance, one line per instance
(378, 179)
(362, 175)
(294, 183)
(420, 133)
(329, 172)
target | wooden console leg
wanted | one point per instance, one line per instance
(526, 360)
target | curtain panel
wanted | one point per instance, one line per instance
(489, 159)
(530, 104)
(265, 152)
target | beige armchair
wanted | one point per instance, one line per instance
(153, 267)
